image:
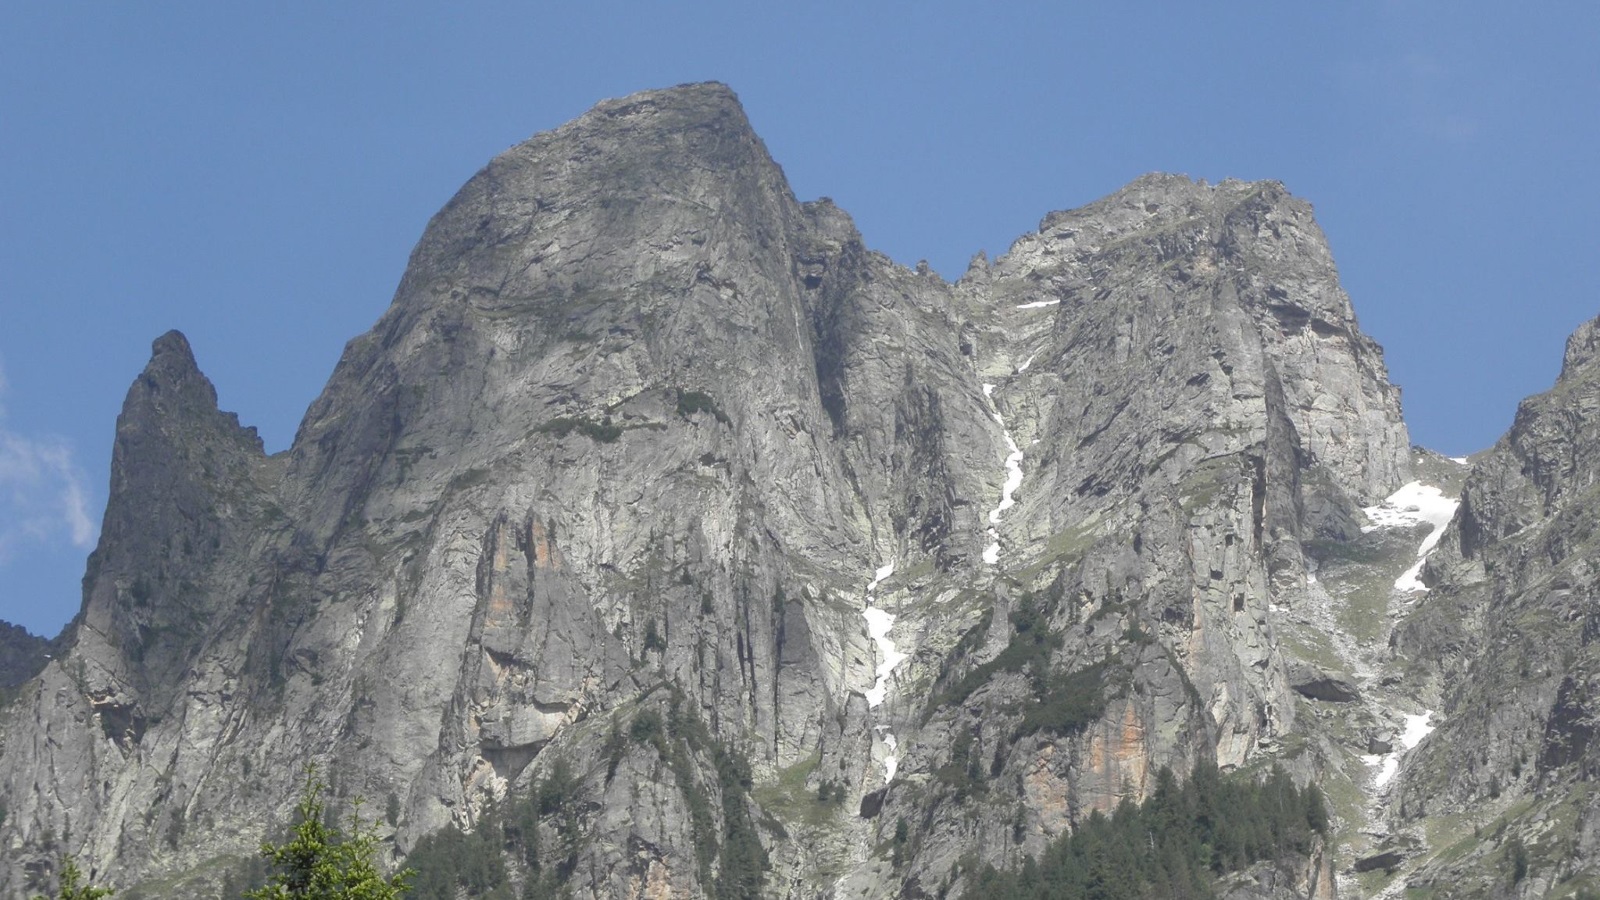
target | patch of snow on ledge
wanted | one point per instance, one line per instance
(1037, 304)
(1389, 765)
(991, 553)
(1458, 460)
(1414, 504)
(1417, 728)
(878, 576)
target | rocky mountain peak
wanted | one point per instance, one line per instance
(173, 348)
(699, 102)
(171, 383)
(652, 160)
(1162, 198)
(1583, 345)
(656, 477)
(183, 473)
(171, 409)
(1253, 251)
(622, 238)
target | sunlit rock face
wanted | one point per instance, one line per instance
(1505, 640)
(641, 435)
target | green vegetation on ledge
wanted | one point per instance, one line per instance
(601, 432)
(691, 402)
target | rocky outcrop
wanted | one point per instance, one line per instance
(610, 486)
(1309, 879)
(1314, 684)
(1506, 638)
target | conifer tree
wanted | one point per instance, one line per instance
(321, 863)
(71, 889)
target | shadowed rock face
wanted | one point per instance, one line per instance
(635, 435)
(22, 656)
(1316, 685)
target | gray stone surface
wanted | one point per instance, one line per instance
(1506, 640)
(628, 387)
(1315, 684)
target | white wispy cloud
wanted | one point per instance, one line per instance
(43, 498)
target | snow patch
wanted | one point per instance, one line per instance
(1390, 767)
(878, 624)
(1013, 465)
(991, 553)
(1417, 728)
(1414, 504)
(1013, 478)
(1410, 581)
(1024, 367)
(1458, 460)
(1037, 304)
(883, 572)
(1388, 764)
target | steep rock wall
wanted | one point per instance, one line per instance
(634, 438)
(1507, 641)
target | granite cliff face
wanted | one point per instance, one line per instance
(642, 438)
(1506, 643)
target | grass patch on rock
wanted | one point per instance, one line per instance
(791, 802)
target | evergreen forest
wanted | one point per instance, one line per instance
(1177, 844)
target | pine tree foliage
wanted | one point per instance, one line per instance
(321, 862)
(505, 849)
(72, 886)
(450, 863)
(1174, 845)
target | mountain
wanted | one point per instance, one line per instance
(662, 529)
(1507, 643)
(22, 656)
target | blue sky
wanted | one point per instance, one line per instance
(256, 175)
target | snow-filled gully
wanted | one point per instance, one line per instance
(880, 621)
(878, 624)
(1013, 464)
(1413, 505)
(1417, 728)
